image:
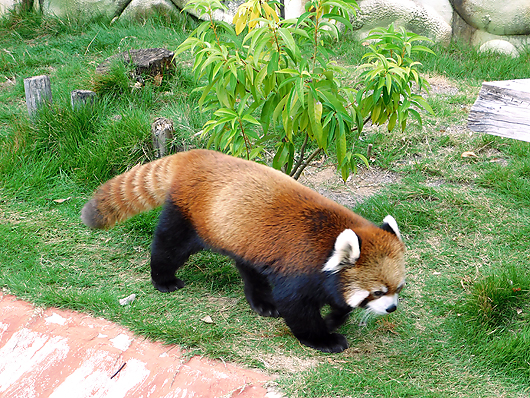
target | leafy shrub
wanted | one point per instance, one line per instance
(277, 86)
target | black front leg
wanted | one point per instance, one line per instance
(337, 317)
(302, 314)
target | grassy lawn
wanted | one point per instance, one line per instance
(463, 326)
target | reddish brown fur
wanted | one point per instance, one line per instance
(239, 206)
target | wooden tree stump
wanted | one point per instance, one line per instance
(503, 108)
(162, 133)
(152, 61)
(81, 98)
(38, 91)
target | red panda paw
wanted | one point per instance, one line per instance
(264, 308)
(169, 286)
(332, 343)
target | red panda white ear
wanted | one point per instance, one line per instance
(347, 251)
(390, 225)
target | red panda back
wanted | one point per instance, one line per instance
(258, 213)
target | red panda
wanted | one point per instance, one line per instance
(296, 250)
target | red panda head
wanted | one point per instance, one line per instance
(371, 266)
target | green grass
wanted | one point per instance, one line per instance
(462, 326)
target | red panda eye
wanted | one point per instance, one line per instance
(379, 293)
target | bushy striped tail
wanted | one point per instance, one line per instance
(142, 188)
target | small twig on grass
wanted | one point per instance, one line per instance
(118, 371)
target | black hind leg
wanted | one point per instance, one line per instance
(257, 290)
(174, 241)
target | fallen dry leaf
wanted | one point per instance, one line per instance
(127, 300)
(62, 200)
(469, 154)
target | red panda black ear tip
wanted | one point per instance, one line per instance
(390, 225)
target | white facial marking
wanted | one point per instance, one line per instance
(380, 305)
(392, 224)
(347, 250)
(357, 298)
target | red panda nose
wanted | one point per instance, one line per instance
(392, 308)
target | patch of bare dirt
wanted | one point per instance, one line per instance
(441, 85)
(292, 364)
(367, 182)
(8, 83)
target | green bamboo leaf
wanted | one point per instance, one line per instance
(339, 18)
(362, 158)
(340, 142)
(304, 120)
(300, 32)
(299, 85)
(256, 151)
(416, 115)
(258, 82)
(205, 92)
(290, 158)
(279, 108)
(272, 66)
(328, 118)
(226, 112)
(289, 71)
(281, 156)
(222, 95)
(301, 19)
(270, 84)
(288, 39)
(424, 104)
(392, 121)
(266, 113)
(251, 133)
(376, 112)
(330, 29)
(287, 82)
(251, 119)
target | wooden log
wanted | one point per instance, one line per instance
(162, 133)
(503, 108)
(38, 91)
(152, 61)
(81, 98)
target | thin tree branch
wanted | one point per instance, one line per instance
(306, 163)
(301, 158)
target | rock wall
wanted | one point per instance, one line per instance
(492, 25)
(431, 20)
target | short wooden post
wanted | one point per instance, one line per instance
(38, 90)
(80, 98)
(162, 133)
